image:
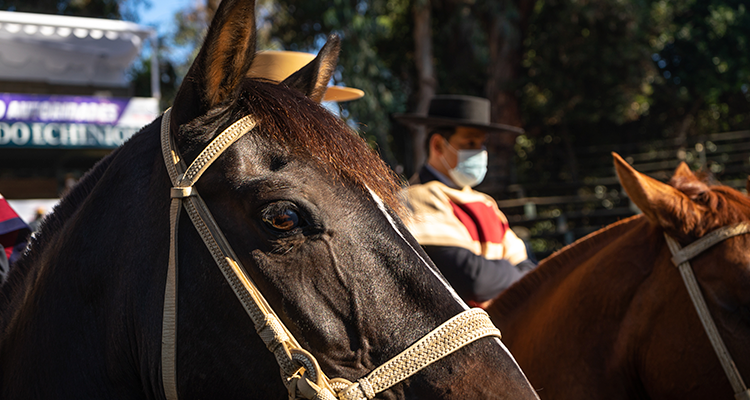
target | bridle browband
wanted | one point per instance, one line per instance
(300, 371)
(681, 258)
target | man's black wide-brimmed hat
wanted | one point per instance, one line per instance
(457, 110)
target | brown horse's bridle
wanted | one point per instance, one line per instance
(681, 258)
(300, 371)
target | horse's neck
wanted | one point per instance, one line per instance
(601, 253)
(52, 225)
(65, 305)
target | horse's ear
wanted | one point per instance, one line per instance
(661, 203)
(312, 79)
(683, 171)
(223, 60)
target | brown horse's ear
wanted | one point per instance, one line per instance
(312, 79)
(661, 203)
(223, 60)
(683, 171)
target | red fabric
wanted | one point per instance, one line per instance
(481, 221)
(6, 213)
(13, 231)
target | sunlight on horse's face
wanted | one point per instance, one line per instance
(319, 249)
(298, 198)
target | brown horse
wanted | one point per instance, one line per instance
(609, 316)
(308, 210)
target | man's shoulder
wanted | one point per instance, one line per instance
(423, 175)
(438, 190)
(429, 192)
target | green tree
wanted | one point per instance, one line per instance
(169, 75)
(572, 72)
(609, 72)
(375, 55)
(704, 67)
(586, 63)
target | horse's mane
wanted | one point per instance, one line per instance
(67, 206)
(52, 223)
(723, 205)
(566, 257)
(309, 132)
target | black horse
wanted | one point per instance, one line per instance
(308, 208)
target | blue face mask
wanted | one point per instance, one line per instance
(471, 167)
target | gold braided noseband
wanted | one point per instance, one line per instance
(300, 371)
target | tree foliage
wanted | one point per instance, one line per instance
(582, 71)
(609, 72)
(378, 56)
(704, 66)
(375, 54)
(590, 71)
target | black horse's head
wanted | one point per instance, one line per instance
(310, 210)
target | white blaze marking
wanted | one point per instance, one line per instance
(383, 210)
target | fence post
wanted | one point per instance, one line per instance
(529, 211)
(562, 227)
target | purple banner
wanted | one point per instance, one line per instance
(62, 109)
(72, 121)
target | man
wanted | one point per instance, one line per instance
(461, 229)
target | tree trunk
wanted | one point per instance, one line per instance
(505, 22)
(687, 122)
(425, 75)
(503, 40)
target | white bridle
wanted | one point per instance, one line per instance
(300, 371)
(681, 258)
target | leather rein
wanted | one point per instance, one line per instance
(681, 258)
(300, 371)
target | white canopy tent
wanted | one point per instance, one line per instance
(68, 50)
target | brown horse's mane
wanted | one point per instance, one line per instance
(723, 205)
(52, 223)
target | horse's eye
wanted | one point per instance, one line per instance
(282, 219)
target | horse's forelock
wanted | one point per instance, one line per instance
(308, 131)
